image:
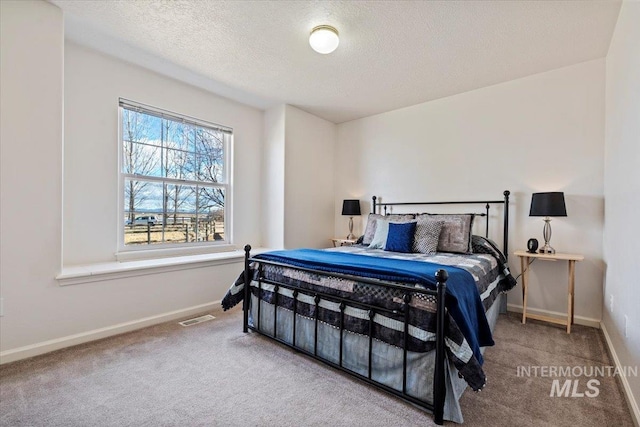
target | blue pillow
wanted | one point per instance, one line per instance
(400, 237)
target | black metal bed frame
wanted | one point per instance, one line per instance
(439, 387)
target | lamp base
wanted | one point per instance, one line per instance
(351, 236)
(546, 232)
(546, 249)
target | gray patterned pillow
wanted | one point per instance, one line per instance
(370, 230)
(425, 240)
(455, 235)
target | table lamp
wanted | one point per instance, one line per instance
(351, 208)
(547, 205)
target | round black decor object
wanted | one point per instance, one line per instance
(532, 245)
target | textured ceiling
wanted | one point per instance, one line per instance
(392, 54)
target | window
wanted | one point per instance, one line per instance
(174, 179)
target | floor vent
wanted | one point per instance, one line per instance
(196, 320)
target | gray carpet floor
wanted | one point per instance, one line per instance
(211, 374)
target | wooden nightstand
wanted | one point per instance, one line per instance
(526, 258)
(342, 242)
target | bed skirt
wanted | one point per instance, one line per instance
(387, 360)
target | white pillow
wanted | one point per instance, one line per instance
(379, 240)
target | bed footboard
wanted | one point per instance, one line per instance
(315, 298)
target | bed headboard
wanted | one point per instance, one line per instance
(380, 208)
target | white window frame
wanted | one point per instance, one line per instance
(132, 252)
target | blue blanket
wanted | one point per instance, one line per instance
(462, 296)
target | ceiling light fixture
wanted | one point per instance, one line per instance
(324, 39)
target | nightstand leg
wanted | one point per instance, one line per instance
(524, 268)
(572, 274)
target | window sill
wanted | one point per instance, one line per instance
(118, 270)
(176, 251)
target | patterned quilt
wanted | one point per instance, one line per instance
(489, 273)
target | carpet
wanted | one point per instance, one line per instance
(211, 374)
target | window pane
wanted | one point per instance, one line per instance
(211, 214)
(141, 159)
(181, 213)
(143, 212)
(180, 202)
(140, 127)
(181, 137)
(209, 155)
(179, 164)
(142, 197)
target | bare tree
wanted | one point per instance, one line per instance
(176, 163)
(209, 166)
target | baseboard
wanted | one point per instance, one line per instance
(71, 340)
(579, 320)
(631, 401)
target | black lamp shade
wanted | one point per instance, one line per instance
(351, 207)
(548, 204)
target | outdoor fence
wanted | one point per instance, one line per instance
(202, 231)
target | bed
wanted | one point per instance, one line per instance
(410, 320)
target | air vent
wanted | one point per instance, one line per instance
(197, 320)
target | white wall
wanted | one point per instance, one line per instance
(38, 313)
(32, 46)
(298, 177)
(273, 178)
(93, 84)
(622, 191)
(309, 179)
(540, 133)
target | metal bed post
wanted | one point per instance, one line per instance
(258, 315)
(316, 301)
(247, 291)
(342, 308)
(276, 289)
(372, 314)
(407, 299)
(486, 233)
(505, 243)
(439, 390)
(295, 314)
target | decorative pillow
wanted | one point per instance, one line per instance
(425, 240)
(455, 235)
(370, 230)
(482, 245)
(379, 240)
(400, 237)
